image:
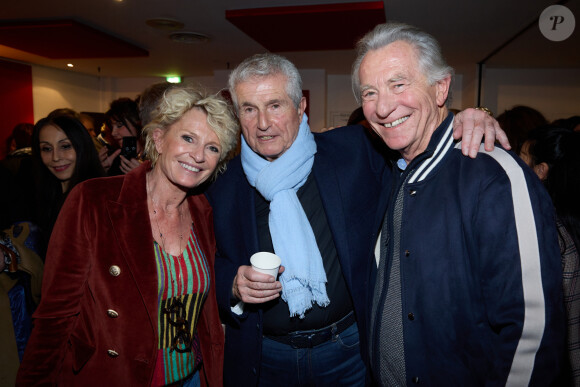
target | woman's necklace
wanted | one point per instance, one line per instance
(155, 216)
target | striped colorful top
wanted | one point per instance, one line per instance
(183, 284)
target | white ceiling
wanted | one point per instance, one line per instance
(469, 30)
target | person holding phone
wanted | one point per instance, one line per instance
(123, 121)
(128, 298)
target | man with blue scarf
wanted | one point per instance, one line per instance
(311, 199)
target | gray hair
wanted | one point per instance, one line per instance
(428, 51)
(264, 65)
(178, 100)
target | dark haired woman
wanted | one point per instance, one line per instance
(63, 155)
(554, 154)
(517, 123)
(122, 119)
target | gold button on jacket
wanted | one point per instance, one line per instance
(115, 270)
(112, 353)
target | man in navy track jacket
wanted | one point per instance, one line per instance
(468, 290)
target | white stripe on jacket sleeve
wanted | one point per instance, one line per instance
(535, 314)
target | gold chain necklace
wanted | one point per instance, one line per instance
(150, 194)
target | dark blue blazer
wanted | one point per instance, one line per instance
(349, 171)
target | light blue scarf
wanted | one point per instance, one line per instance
(304, 279)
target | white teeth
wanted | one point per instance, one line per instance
(189, 167)
(396, 122)
(266, 137)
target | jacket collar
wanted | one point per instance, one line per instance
(131, 226)
(133, 191)
(440, 143)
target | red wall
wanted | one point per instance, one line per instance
(15, 99)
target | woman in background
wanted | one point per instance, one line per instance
(122, 120)
(131, 302)
(554, 154)
(63, 155)
(518, 122)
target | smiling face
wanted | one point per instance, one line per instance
(398, 101)
(57, 153)
(189, 150)
(269, 119)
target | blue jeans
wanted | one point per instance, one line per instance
(335, 362)
(192, 380)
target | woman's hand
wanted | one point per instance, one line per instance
(106, 159)
(128, 165)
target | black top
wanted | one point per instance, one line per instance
(276, 316)
(115, 169)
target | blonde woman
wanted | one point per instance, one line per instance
(128, 296)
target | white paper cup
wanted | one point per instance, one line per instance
(266, 263)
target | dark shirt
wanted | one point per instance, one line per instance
(15, 199)
(115, 169)
(276, 318)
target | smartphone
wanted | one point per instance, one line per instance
(129, 148)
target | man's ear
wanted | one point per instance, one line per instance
(302, 107)
(442, 90)
(158, 139)
(542, 170)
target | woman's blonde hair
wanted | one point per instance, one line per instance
(177, 101)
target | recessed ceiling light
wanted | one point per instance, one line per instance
(189, 37)
(70, 65)
(165, 24)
